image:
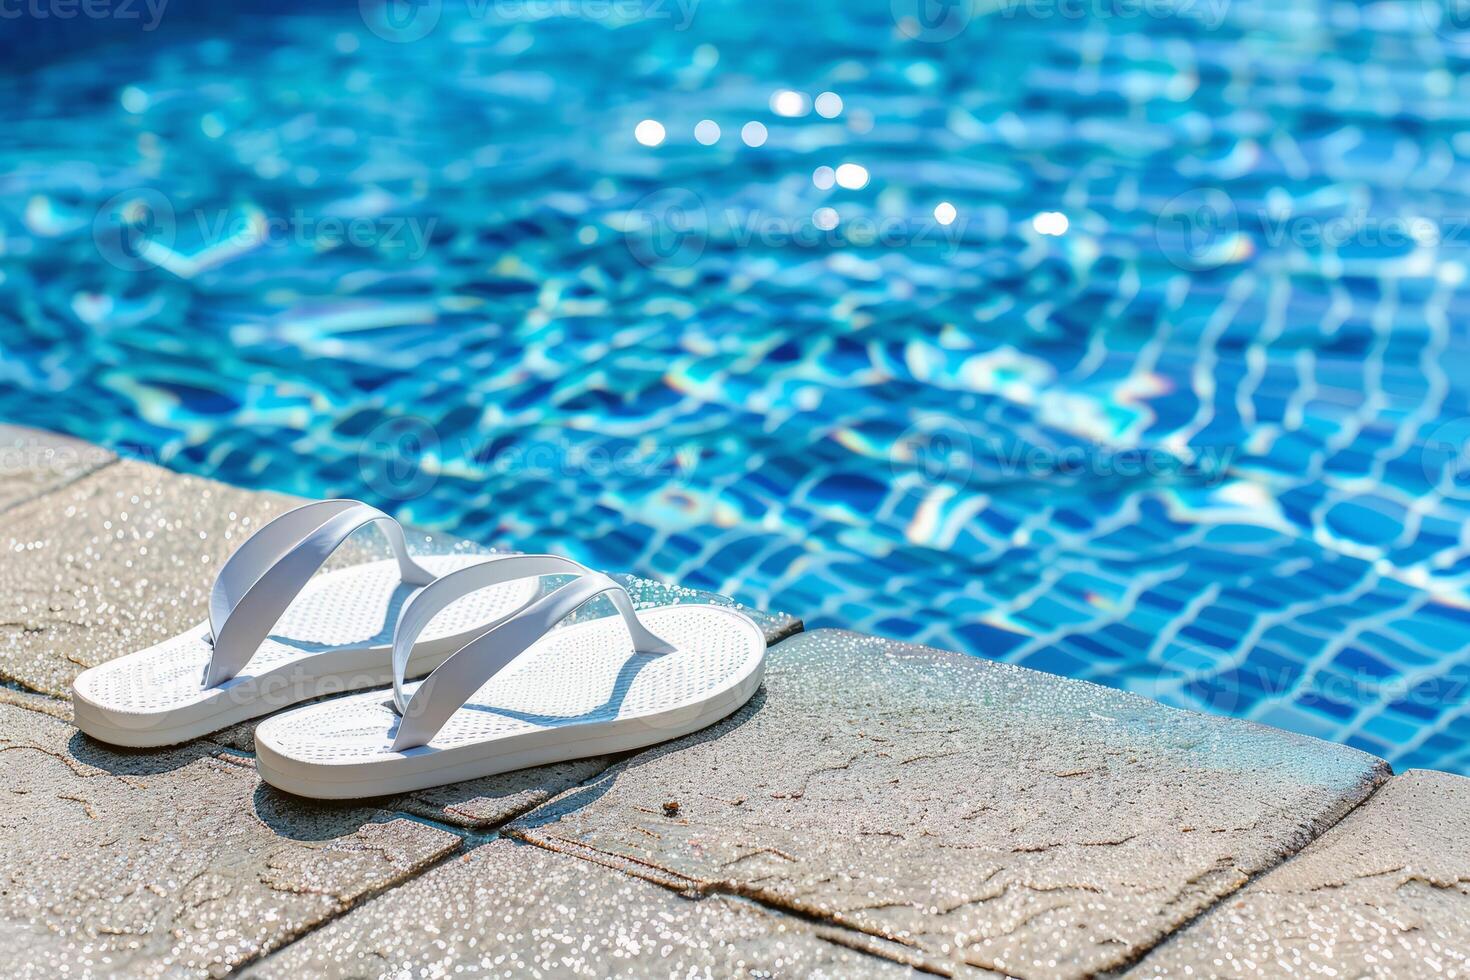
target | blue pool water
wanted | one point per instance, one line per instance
(1177, 402)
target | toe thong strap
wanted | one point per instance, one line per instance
(269, 570)
(440, 594)
(447, 688)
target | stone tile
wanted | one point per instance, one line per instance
(36, 702)
(112, 563)
(510, 909)
(971, 811)
(1385, 893)
(486, 803)
(176, 862)
(33, 462)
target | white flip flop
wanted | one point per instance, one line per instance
(522, 694)
(276, 635)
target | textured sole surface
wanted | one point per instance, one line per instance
(579, 691)
(336, 637)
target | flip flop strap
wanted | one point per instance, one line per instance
(452, 683)
(438, 595)
(270, 569)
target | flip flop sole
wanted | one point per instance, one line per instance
(578, 692)
(335, 637)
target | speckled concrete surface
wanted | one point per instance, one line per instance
(33, 462)
(1385, 893)
(877, 807)
(972, 811)
(509, 909)
(171, 863)
(111, 563)
(488, 802)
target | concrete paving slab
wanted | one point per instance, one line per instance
(35, 702)
(509, 909)
(171, 863)
(972, 812)
(878, 807)
(482, 804)
(33, 462)
(111, 563)
(1384, 893)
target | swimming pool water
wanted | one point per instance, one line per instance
(1177, 402)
